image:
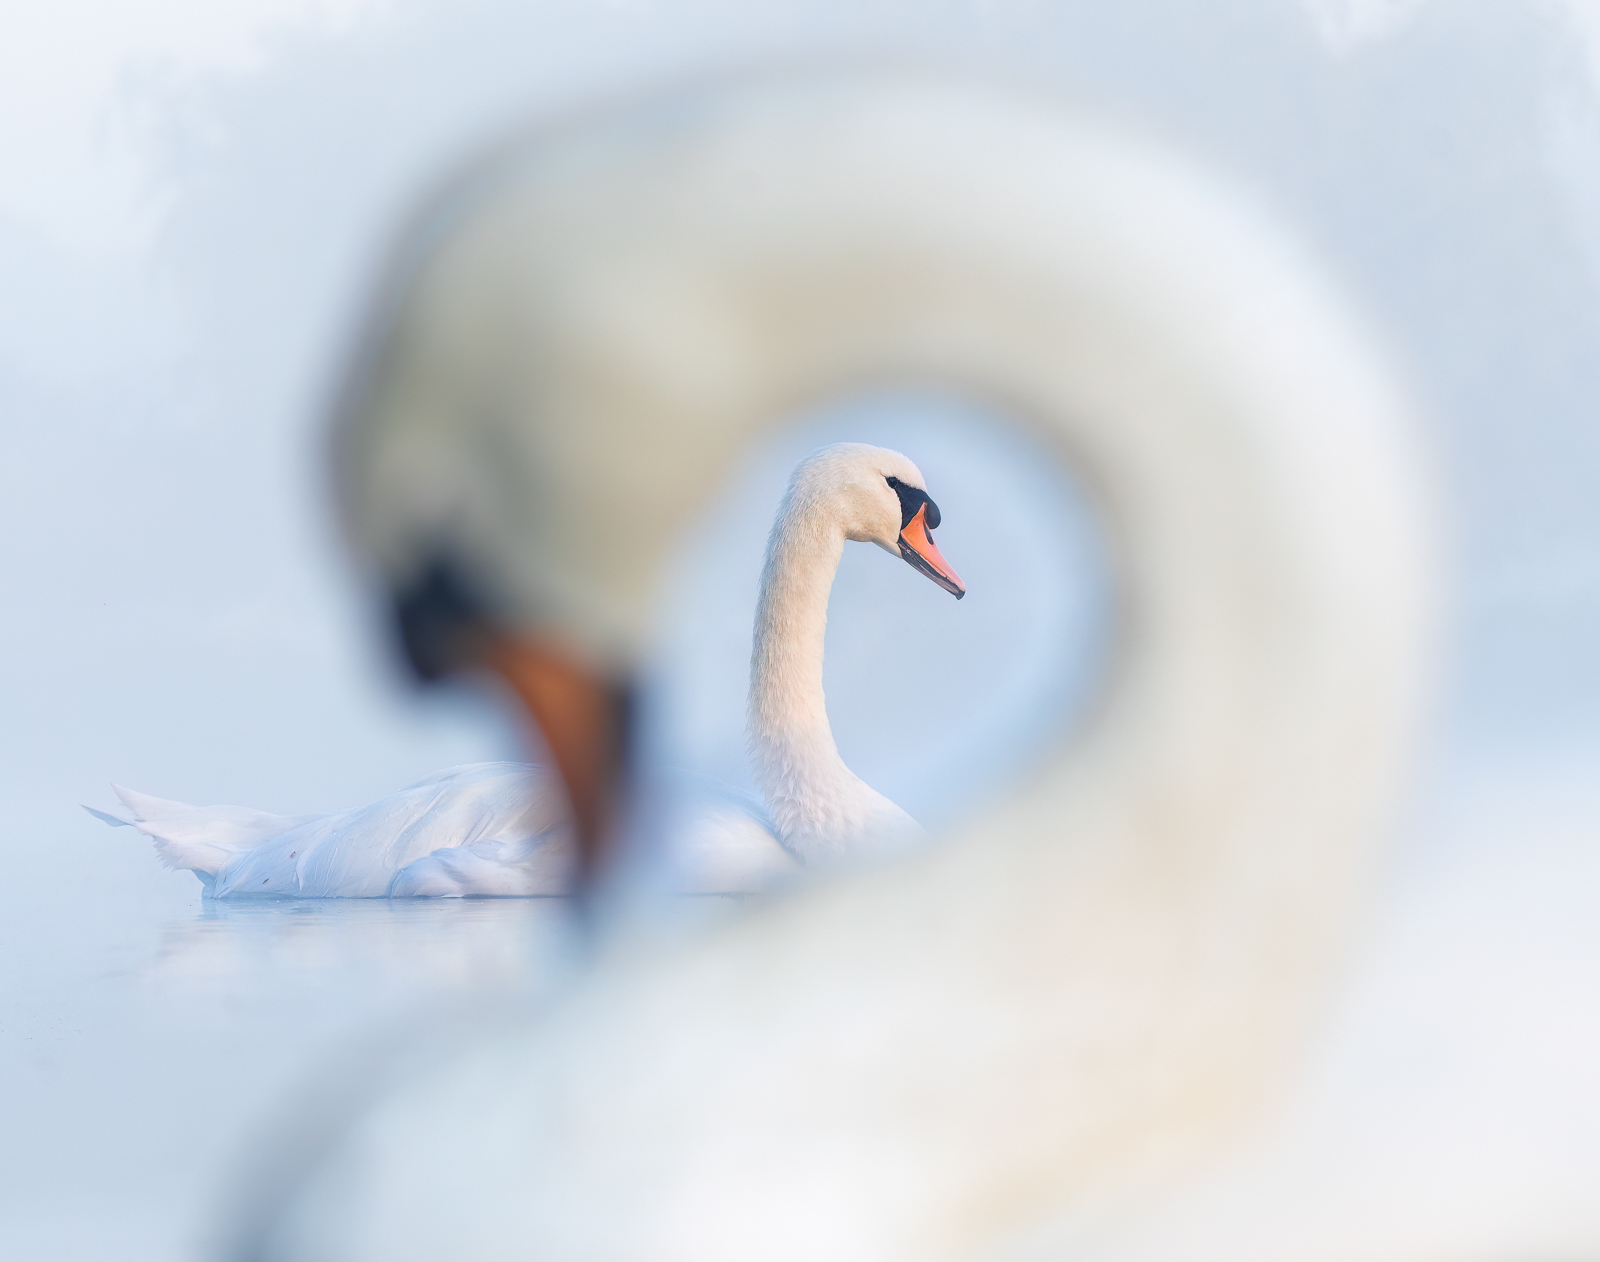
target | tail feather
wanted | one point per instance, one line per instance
(200, 838)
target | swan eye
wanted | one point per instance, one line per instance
(911, 499)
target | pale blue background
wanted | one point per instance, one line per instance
(193, 201)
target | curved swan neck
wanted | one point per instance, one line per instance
(786, 696)
(797, 762)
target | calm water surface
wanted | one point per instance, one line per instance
(147, 1041)
(150, 1042)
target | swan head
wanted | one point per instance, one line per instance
(874, 495)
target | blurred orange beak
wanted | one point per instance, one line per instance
(916, 546)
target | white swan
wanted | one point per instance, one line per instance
(498, 829)
(1023, 1026)
(849, 491)
(491, 828)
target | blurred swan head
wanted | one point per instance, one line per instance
(1081, 987)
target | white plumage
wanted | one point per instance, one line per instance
(998, 1045)
(485, 828)
(500, 829)
(820, 807)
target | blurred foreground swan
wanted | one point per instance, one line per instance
(502, 828)
(994, 1044)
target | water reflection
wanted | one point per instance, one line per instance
(150, 1040)
(495, 944)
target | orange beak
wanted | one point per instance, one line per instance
(917, 547)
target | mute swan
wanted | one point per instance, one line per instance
(501, 828)
(1069, 998)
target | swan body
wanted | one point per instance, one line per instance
(1041, 1015)
(500, 829)
(490, 829)
(485, 828)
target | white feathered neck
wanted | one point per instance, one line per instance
(819, 806)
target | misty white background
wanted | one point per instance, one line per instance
(194, 200)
